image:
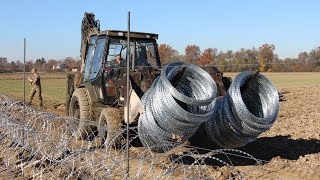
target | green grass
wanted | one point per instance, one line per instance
(19, 75)
(290, 80)
(54, 89)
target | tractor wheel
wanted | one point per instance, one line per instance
(80, 111)
(109, 127)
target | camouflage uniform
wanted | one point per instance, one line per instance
(117, 68)
(36, 88)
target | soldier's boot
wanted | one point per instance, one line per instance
(40, 104)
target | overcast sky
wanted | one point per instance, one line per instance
(52, 28)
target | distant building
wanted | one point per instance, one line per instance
(62, 66)
(75, 69)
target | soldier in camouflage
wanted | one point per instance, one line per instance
(36, 87)
(117, 64)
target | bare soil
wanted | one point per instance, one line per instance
(291, 148)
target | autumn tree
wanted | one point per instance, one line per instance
(71, 63)
(221, 62)
(29, 65)
(278, 65)
(291, 64)
(19, 65)
(40, 64)
(241, 60)
(13, 66)
(167, 53)
(314, 59)
(50, 63)
(302, 61)
(230, 61)
(208, 56)
(252, 59)
(266, 56)
(192, 53)
(3, 64)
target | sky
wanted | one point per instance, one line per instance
(52, 28)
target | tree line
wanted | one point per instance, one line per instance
(41, 64)
(263, 58)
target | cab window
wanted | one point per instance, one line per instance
(89, 57)
(96, 62)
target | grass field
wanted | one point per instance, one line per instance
(289, 80)
(54, 85)
(53, 88)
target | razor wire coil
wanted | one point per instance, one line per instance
(243, 114)
(173, 114)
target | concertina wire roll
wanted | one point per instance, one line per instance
(173, 114)
(244, 113)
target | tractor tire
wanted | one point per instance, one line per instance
(80, 111)
(110, 127)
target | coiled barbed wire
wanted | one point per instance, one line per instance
(173, 114)
(40, 146)
(245, 112)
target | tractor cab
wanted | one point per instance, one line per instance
(107, 75)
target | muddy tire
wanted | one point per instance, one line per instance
(80, 111)
(109, 127)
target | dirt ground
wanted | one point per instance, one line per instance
(291, 148)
